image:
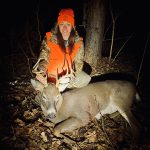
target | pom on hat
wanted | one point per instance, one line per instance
(66, 15)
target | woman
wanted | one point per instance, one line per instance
(62, 54)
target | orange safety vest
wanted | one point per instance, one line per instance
(59, 63)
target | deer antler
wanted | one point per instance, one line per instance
(39, 76)
(63, 81)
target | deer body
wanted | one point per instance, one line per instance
(76, 108)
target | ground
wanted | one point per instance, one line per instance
(23, 126)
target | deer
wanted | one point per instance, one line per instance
(72, 109)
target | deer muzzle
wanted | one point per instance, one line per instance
(51, 116)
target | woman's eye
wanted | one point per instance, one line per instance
(61, 24)
(68, 24)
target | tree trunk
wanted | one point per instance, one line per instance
(94, 31)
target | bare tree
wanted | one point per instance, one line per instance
(94, 30)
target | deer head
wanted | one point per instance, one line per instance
(49, 98)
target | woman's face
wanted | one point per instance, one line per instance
(65, 29)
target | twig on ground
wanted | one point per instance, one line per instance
(103, 127)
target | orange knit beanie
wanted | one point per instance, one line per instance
(66, 15)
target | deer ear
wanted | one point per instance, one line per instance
(37, 85)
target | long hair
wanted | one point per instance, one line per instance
(71, 40)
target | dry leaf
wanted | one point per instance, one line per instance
(19, 122)
(44, 137)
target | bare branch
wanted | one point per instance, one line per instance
(142, 59)
(121, 48)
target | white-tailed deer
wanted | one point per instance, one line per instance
(75, 108)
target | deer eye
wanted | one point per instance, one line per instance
(57, 96)
(56, 102)
(44, 97)
(57, 99)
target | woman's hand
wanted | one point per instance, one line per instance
(43, 67)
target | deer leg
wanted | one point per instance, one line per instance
(67, 126)
(134, 124)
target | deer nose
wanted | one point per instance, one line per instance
(51, 116)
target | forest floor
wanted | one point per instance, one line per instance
(23, 126)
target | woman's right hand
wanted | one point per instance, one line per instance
(43, 67)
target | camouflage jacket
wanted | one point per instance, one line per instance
(45, 53)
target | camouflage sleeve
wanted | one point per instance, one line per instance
(79, 59)
(44, 50)
(43, 56)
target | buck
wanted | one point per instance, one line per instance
(75, 108)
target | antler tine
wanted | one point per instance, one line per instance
(70, 70)
(63, 81)
(67, 68)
